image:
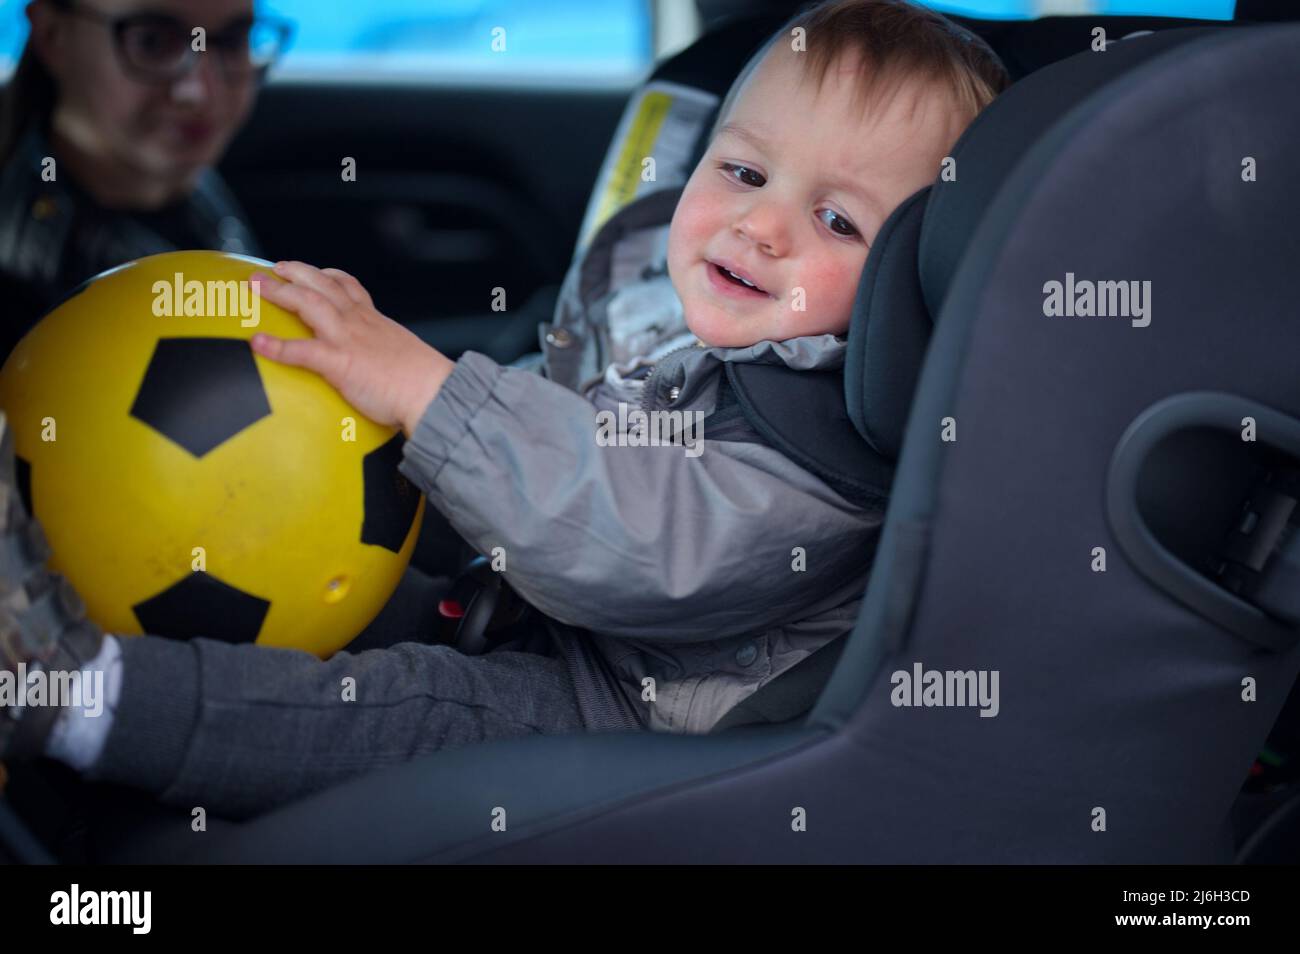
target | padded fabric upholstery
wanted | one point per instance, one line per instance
(1114, 695)
(889, 333)
(1022, 114)
(911, 267)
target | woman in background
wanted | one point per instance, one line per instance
(136, 120)
(110, 130)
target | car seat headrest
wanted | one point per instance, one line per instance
(987, 152)
(913, 259)
(889, 331)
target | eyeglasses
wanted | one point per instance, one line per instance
(158, 47)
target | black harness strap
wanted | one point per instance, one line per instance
(804, 415)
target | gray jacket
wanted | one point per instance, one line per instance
(682, 576)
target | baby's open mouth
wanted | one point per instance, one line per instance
(735, 279)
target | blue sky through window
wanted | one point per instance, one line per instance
(594, 39)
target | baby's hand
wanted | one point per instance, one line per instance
(380, 368)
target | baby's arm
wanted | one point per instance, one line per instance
(632, 541)
(628, 541)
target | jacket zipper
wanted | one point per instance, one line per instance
(647, 393)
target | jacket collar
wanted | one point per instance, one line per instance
(807, 353)
(688, 376)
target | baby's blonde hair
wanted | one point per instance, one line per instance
(893, 40)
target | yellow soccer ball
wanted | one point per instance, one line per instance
(189, 487)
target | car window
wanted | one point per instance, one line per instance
(13, 33)
(478, 40)
(506, 39)
(1025, 9)
(510, 41)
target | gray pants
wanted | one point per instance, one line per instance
(239, 729)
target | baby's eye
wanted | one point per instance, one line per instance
(837, 223)
(743, 174)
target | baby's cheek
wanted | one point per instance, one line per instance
(693, 227)
(698, 215)
(829, 287)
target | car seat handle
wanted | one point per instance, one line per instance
(1253, 587)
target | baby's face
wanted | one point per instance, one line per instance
(790, 196)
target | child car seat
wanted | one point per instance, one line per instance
(1133, 697)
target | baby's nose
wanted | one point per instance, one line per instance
(766, 229)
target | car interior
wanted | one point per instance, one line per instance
(1124, 439)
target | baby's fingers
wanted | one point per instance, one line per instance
(310, 353)
(353, 288)
(315, 310)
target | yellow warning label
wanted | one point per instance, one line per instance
(638, 144)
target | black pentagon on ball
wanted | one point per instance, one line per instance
(23, 478)
(390, 499)
(202, 605)
(200, 392)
